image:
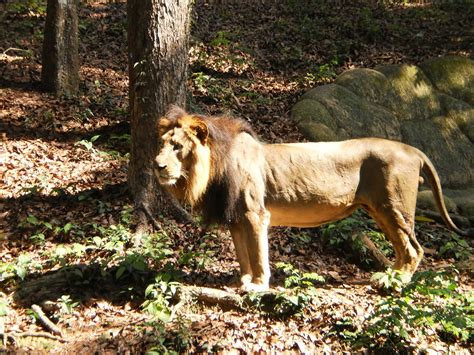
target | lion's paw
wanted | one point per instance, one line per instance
(252, 287)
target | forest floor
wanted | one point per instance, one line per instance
(65, 216)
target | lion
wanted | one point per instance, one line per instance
(218, 166)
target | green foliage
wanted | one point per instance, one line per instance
(169, 342)
(159, 295)
(89, 144)
(209, 86)
(431, 302)
(43, 228)
(390, 280)
(456, 247)
(66, 304)
(323, 73)
(298, 296)
(299, 280)
(221, 39)
(20, 268)
(346, 235)
(27, 6)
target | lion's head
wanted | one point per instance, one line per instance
(184, 160)
(193, 160)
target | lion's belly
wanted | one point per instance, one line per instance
(308, 214)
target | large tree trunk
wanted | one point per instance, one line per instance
(60, 72)
(158, 52)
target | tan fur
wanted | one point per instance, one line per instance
(235, 180)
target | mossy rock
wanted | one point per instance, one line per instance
(353, 116)
(425, 201)
(461, 112)
(452, 75)
(415, 96)
(370, 84)
(464, 200)
(314, 121)
(443, 142)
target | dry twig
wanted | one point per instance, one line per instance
(50, 326)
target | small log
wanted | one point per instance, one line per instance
(224, 299)
(380, 261)
(208, 295)
(50, 326)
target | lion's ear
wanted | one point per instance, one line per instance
(163, 125)
(201, 131)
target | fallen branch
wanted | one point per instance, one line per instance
(380, 261)
(50, 326)
(210, 296)
(224, 299)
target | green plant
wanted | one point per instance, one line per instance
(42, 228)
(20, 268)
(299, 280)
(221, 39)
(89, 144)
(66, 304)
(169, 342)
(159, 295)
(390, 280)
(130, 263)
(431, 302)
(347, 235)
(201, 81)
(26, 6)
(301, 238)
(457, 248)
(300, 293)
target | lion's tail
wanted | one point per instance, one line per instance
(433, 178)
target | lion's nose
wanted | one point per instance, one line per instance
(160, 166)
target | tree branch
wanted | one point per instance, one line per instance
(50, 326)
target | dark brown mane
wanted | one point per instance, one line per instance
(222, 198)
(220, 202)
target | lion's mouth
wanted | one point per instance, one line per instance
(166, 179)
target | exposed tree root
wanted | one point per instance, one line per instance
(50, 326)
(380, 261)
(224, 299)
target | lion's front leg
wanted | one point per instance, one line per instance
(240, 243)
(256, 230)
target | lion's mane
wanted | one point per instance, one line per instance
(220, 203)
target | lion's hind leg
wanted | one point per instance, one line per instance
(399, 229)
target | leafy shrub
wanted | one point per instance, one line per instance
(456, 247)
(347, 235)
(430, 303)
(301, 292)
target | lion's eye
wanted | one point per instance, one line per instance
(177, 146)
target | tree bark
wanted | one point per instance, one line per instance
(60, 72)
(158, 32)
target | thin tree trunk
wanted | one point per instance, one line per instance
(60, 72)
(158, 48)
